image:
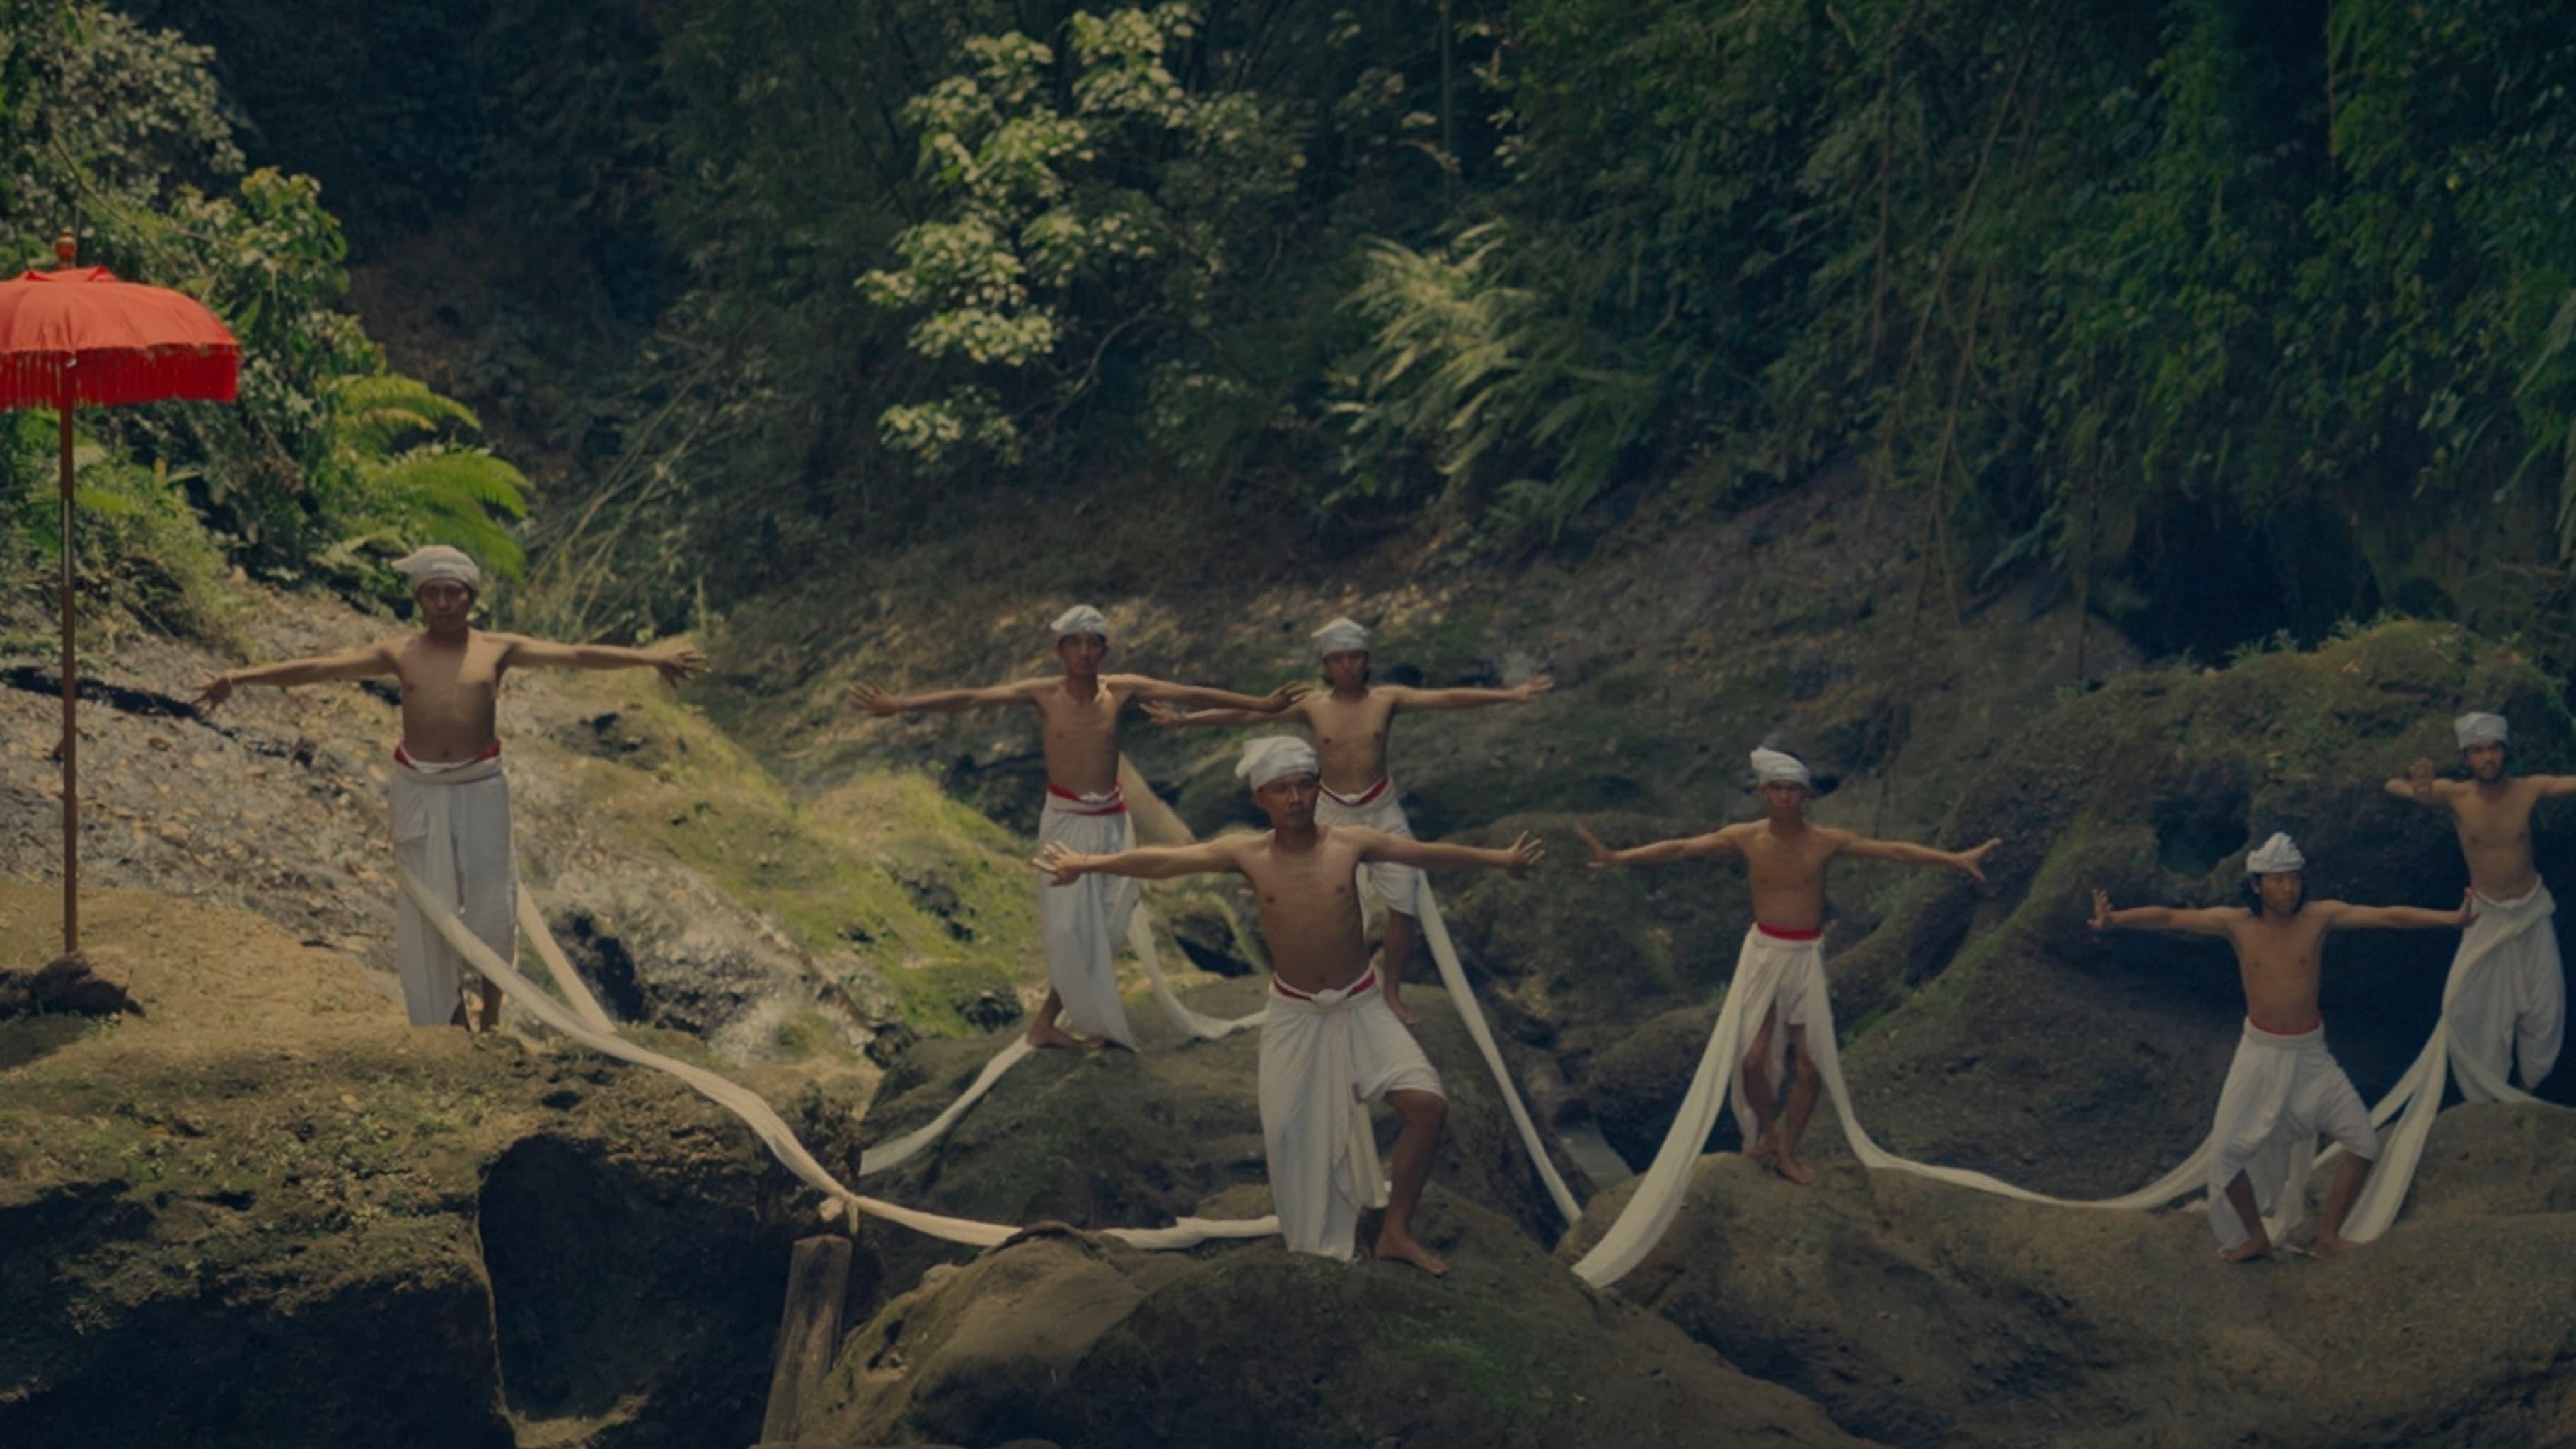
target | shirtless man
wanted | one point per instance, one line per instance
(450, 802)
(1329, 1043)
(1350, 724)
(2284, 1087)
(2514, 1002)
(1078, 712)
(1784, 858)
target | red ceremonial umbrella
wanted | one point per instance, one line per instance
(78, 335)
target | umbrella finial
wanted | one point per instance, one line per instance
(66, 247)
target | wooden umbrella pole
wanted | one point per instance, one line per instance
(71, 720)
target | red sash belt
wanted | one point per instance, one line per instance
(1784, 933)
(2302, 1031)
(1354, 989)
(1368, 796)
(1073, 804)
(403, 758)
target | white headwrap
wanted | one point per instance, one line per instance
(1340, 636)
(1771, 765)
(2276, 856)
(1271, 756)
(2474, 728)
(1081, 619)
(438, 563)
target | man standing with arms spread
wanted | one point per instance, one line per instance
(450, 801)
(1350, 723)
(1329, 1043)
(2284, 1086)
(1078, 713)
(2511, 1000)
(1781, 961)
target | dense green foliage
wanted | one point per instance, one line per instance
(331, 462)
(2226, 317)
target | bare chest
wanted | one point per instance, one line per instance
(1341, 724)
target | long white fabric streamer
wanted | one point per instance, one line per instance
(764, 1123)
(1435, 934)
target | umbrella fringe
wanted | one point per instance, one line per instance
(121, 377)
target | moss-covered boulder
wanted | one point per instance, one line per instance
(1919, 1313)
(269, 1213)
(1073, 1340)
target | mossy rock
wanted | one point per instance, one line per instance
(1079, 1341)
(270, 1213)
(1920, 1313)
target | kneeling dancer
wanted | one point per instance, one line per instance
(1784, 861)
(2284, 1086)
(449, 799)
(1329, 1045)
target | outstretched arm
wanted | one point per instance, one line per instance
(2417, 784)
(675, 659)
(938, 701)
(1408, 697)
(2344, 916)
(1064, 865)
(1517, 857)
(1145, 687)
(1176, 717)
(358, 663)
(1716, 842)
(2208, 921)
(1971, 863)
(2554, 786)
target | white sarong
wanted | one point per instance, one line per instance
(1772, 973)
(2514, 1004)
(451, 828)
(2281, 1092)
(1375, 808)
(1083, 922)
(1324, 1058)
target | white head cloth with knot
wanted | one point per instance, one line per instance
(439, 563)
(1081, 619)
(1341, 637)
(2276, 856)
(1272, 757)
(2475, 728)
(1771, 766)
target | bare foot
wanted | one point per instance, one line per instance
(490, 1017)
(1764, 1149)
(1048, 1034)
(2256, 1244)
(1403, 1248)
(2331, 1244)
(1794, 1170)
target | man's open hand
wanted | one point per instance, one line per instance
(1603, 857)
(874, 700)
(677, 662)
(1522, 854)
(2420, 778)
(1061, 863)
(1529, 689)
(1162, 713)
(1286, 695)
(214, 692)
(2101, 910)
(1973, 862)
